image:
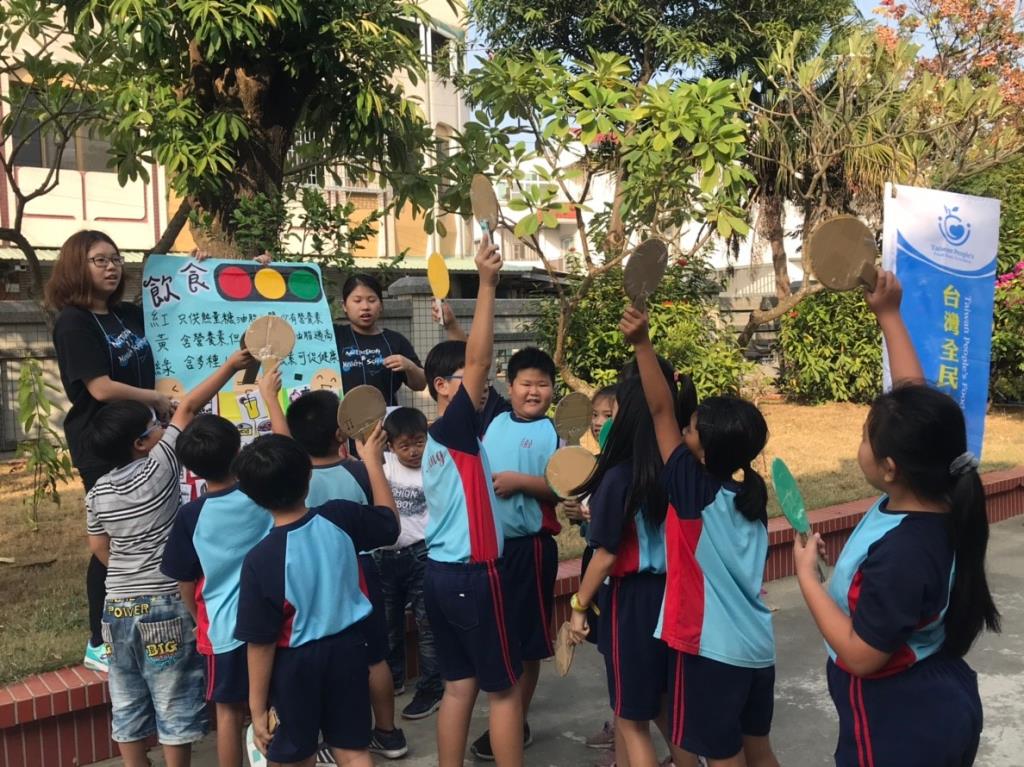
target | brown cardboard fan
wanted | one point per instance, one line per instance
(843, 253)
(440, 282)
(272, 720)
(644, 271)
(485, 204)
(568, 468)
(564, 650)
(269, 339)
(572, 417)
(360, 411)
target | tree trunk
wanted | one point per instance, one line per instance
(35, 269)
(771, 210)
(173, 229)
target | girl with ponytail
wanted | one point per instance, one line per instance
(909, 595)
(721, 649)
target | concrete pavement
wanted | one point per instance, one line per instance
(566, 711)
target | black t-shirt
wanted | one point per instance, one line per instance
(362, 360)
(91, 345)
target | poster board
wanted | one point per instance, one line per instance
(196, 313)
(943, 247)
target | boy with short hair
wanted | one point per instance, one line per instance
(402, 566)
(156, 676)
(462, 584)
(519, 440)
(204, 553)
(312, 421)
(300, 605)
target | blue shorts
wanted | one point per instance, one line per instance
(465, 606)
(375, 625)
(927, 716)
(712, 705)
(321, 686)
(227, 676)
(156, 675)
(529, 567)
(635, 661)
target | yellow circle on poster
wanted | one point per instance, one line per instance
(269, 284)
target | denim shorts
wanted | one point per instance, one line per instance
(156, 676)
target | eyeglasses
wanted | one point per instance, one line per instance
(488, 382)
(104, 261)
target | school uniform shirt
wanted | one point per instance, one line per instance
(301, 582)
(716, 560)
(637, 543)
(345, 480)
(893, 578)
(461, 524)
(135, 505)
(208, 543)
(514, 444)
(91, 345)
(362, 360)
(407, 488)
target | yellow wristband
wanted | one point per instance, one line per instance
(575, 604)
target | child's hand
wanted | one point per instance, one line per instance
(372, 451)
(578, 628)
(270, 383)
(240, 359)
(444, 312)
(506, 483)
(806, 553)
(162, 406)
(572, 509)
(488, 261)
(634, 325)
(261, 735)
(886, 296)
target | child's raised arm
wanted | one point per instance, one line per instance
(480, 346)
(884, 301)
(196, 399)
(270, 386)
(656, 388)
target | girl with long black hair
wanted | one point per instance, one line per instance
(627, 517)
(909, 595)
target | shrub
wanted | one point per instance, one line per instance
(831, 350)
(1006, 381)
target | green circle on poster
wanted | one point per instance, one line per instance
(304, 284)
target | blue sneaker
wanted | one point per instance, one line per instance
(97, 658)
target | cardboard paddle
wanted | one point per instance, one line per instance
(644, 270)
(568, 468)
(440, 282)
(270, 339)
(485, 204)
(360, 411)
(793, 508)
(564, 650)
(843, 254)
(572, 417)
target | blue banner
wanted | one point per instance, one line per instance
(943, 248)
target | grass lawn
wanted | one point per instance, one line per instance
(43, 615)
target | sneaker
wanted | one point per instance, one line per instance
(603, 739)
(256, 759)
(390, 745)
(324, 757)
(423, 705)
(97, 658)
(481, 747)
(399, 690)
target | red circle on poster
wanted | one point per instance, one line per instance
(234, 282)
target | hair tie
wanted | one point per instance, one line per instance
(963, 463)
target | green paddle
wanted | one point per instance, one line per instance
(793, 507)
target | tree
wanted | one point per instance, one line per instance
(831, 128)
(48, 101)
(671, 154)
(218, 91)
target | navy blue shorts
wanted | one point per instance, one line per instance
(321, 686)
(927, 716)
(635, 661)
(227, 676)
(712, 705)
(473, 637)
(375, 625)
(529, 568)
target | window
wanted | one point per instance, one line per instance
(442, 49)
(87, 150)
(310, 175)
(442, 152)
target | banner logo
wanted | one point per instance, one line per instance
(953, 228)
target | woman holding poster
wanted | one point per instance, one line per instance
(103, 355)
(368, 353)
